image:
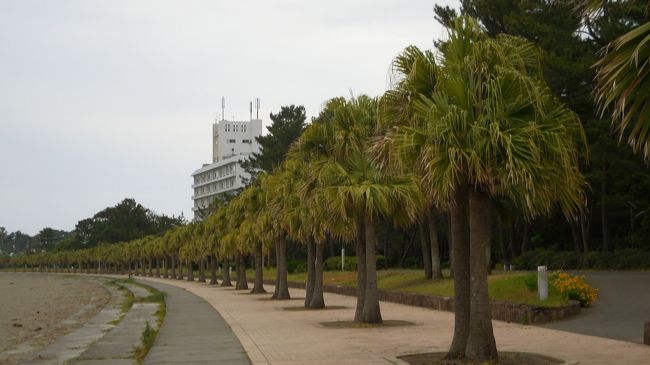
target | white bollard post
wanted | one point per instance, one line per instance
(542, 282)
(342, 259)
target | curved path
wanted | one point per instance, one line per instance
(271, 334)
(621, 310)
(193, 333)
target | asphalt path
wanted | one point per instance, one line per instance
(193, 333)
(621, 310)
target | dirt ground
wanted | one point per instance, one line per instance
(35, 309)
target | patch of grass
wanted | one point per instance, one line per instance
(502, 286)
(147, 338)
(156, 296)
(514, 288)
(149, 333)
(128, 301)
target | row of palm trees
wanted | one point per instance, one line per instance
(458, 130)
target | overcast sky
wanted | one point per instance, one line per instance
(103, 100)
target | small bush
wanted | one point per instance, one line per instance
(411, 263)
(628, 259)
(296, 266)
(531, 282)
(381, 262)
(334, 263)
(574, 288)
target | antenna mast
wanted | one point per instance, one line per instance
(250, 104)
(257, 108)
(223, 108)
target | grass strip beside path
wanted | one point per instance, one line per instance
(502, 286)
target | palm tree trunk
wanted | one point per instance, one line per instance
(436, 269)
(426, 252)
(460, 247)
(190, 270)
(371, 310)
(202, 270)
(317, 300)
(242, 283)
(525, 237)
(281, 284)
(150, 267)
(481, 346)
(180, 268)
(258, 283)
(213, 270)
(157, 267)
(311, 259)
(603, 206)
(226, 273)
(172, 262)
(361, 269)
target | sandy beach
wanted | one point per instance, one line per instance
(35, 309)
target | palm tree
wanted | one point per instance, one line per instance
(308, 223)
(623, 82)
(353, 188)
(415, 73)
(491, 128)
(278, 189)
(253, 234)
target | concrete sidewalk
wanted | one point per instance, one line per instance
(193, 333)
(270, 334)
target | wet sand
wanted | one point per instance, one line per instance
(35, 309)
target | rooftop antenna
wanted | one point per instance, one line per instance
(223, 108)
(257, 108)
(250, 104)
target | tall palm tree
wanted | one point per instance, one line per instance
(491, 128)
(281, 202)
(415, 73)
(352, 186)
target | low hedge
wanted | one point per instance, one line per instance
(334, 263)
(628, 259)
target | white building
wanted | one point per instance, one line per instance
(232, 142)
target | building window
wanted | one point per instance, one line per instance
(231, 141)
(246, 141)
(244, 128)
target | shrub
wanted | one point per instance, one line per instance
(628, 259)
(334, 263)
(381, 262)
(531, 282)
(574, 288)
(296, 266)
(411, 263)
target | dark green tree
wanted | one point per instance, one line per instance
(48, 237)
(571, 43)
(286, 126)
(126, 221)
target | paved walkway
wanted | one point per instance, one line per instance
(621, 310)
(270, 334)
(193, 333)
(117, 346)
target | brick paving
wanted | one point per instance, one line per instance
(271, 335)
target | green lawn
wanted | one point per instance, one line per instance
(502, 286)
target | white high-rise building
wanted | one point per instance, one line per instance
(232, 143)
